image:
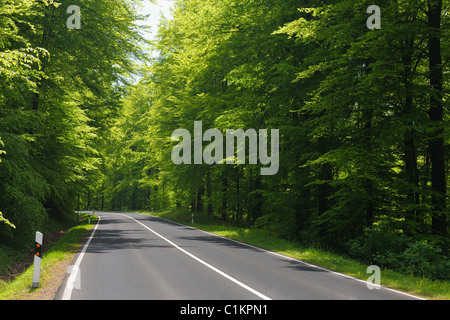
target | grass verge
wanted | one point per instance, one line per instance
(422, 287)
(53, 267)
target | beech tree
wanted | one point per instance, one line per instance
(353, 104)
(59, 89)
(357, 89)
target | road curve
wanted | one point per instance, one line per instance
(139, 257)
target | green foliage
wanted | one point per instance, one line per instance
(352, 106)
(388, 247)
(362, 115)
(424, 259)
(59, 89)
(381, 245)
(6, 221)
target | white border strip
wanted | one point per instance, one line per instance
(259, 294)
(289, 258)
(74, 268)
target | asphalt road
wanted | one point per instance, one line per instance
(140, 257)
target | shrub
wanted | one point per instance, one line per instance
(381, 245)
(425, 259)
(384, 247)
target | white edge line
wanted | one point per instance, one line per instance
(73, 274)
(262, 296)
(292, 259)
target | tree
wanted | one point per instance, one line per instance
(59, 89)
(220, 64)
(2, 219)
(437, 151)
(372, 91)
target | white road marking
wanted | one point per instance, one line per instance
(293, 259)
(73, 276)
(259, 294)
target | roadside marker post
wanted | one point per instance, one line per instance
(37, 259)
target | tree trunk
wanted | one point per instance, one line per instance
(324, 190)
(200, 193)
(238, 200)
(209, 192)
(410, 156)
(224, 198)
(438, 176)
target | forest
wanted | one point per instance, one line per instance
(87, 117)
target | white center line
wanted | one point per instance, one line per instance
(259, 294)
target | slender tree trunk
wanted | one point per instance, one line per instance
(238, 200)
(89, 200)
(367, 144)
(224, 197)
(368, 183)
(410, 157)
(256, 206)
(438, 172)
(324, 190)
(200, 193)
(46, 36)
(209, 192)
(103, 198)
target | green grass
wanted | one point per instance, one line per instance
(65, 248)
(422, 287)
